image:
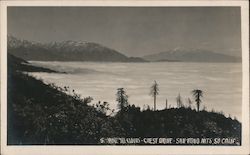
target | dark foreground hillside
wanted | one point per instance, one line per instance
(45, 114)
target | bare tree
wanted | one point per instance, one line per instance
(166, 103)
(154, 91)
(189, 103)
(179, 101)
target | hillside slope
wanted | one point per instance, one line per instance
(41, 113)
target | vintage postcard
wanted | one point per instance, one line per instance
(124, 77)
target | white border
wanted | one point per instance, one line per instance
(131, 150)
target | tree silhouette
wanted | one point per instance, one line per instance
(197, 95)
(166, 103)
(179, 101)
(154, 91)
(122, 99)
(189, 103)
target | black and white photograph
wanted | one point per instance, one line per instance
(125, 76)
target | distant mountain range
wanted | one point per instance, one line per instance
(89, 51)
(191, 55)
(66, 51)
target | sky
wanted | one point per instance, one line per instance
(133, 31)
